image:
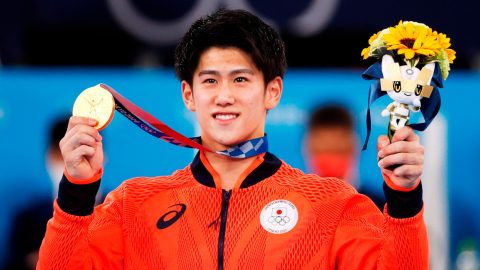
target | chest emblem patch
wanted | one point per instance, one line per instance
(279, 216)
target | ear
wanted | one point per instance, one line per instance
(386, 59)
(187, 95)
(273, 93)
(430, 66)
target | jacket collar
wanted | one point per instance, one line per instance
(267, 168)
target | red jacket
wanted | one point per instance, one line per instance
(183, 222)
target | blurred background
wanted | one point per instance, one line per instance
(51, 50)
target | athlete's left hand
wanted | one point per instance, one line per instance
(405, 149)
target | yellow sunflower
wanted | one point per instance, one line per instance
(411, 42)
(366, 51)
(445, 44)
(443, 40)
(451, 55)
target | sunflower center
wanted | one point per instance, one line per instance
(408, 42)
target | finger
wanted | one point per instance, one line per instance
(80, 128)
(409, 171)
(401, 158)
(79, 120)
(84, 150)
(77, 155)
(401, 147)
(405, 133)
(77, 140)
(382, 142)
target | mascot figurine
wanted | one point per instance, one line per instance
(406, 86)
(412, 60)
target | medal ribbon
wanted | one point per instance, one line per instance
(430, 106)
(159, 130)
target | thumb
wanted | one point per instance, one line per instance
(388, 173)
(96, 160)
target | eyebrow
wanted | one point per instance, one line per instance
(234, 72)
(208, 72)
(239, 71)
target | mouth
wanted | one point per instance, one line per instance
(409, 94)
(225, 117)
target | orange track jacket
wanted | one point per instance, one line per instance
(183, 222)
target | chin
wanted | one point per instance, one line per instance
(228, 140)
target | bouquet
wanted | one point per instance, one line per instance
(412, 43)
(401, 50)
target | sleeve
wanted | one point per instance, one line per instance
(366, 239)
(80, 237)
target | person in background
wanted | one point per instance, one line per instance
(333, 150)
(29, 225)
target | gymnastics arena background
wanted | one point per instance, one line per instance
(52, 50)
(31, 99)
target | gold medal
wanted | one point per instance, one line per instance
(97, 103)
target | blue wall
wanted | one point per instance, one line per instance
(31, 99)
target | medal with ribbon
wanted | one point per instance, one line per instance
(95, 96)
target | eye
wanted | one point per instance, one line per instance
(418, 90)
(240, 79)
(210, 81)
(397, 87)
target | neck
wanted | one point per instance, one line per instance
(229, 169)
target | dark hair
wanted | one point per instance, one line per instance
(231, 28)
(331, 116)
(57, 132)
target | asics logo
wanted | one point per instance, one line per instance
(163, 224)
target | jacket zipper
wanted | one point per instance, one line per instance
(223, 225)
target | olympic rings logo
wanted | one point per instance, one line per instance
(309, 22)
(282, 221)
(279, 216)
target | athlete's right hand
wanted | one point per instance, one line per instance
(82, 148)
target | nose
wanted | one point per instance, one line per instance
(225, 96)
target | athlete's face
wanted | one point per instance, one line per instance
(230, 97)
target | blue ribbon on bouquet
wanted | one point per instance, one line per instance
(430, 106)
(156, 128)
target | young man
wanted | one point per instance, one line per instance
(226, 213)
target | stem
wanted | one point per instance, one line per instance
(413, 62)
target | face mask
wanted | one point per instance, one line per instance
(55, 171)
(332, 165)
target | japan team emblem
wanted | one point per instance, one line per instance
(279, 216)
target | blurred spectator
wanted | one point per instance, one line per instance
(332, 148)
(30, 225)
